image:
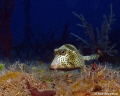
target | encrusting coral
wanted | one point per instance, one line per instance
(102, 80)
(23, 84)
(89, 81)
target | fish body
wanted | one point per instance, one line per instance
(67, 57)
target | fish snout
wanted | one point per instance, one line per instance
(53, 66)
(55, 63)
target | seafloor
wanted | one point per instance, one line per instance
(20, 79)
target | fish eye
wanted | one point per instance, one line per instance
(63, 52)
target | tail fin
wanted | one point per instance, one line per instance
(91, 57)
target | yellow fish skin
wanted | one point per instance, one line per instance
(67, 57)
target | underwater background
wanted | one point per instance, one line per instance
(32, 30)
(38, 27)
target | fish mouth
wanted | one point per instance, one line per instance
(53, 66)
(55, 63)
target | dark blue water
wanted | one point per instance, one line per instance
(39, 26)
